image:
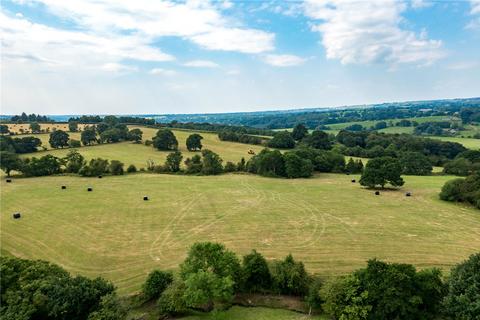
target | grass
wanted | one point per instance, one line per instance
(15, 127)
(243, 313)
(138, 154)
(331, 224)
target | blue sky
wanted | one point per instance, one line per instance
(147, 56)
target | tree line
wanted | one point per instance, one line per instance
(211, 276)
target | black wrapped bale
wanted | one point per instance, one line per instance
(377, 193)
(8, 180)
(64, 187)
(99, 177)
(16, 215)
(353, 180)
(145, 198)
(408, 194)
(89, 189)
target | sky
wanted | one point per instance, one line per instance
(152, 56)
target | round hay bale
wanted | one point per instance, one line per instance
(99, 177)
(377, 193)
(16, 215)
(64, 187)
(145, 198)
(8, 180)
(353, 180)
(408, 194)
(89, 189)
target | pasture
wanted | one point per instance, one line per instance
(139, 154)
(331, 224)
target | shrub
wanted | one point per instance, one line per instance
(72, 143)
(230, 167)
(95, 167)
(157, 281)
(116, 167)
(172, 300)
(131, 169)
(296, 167)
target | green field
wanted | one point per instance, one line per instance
(242, 313)
(138, 154)
(331, 224)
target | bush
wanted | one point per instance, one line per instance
(116, 167)
(230, 167)
(131, 169)
(157, 281)
(172, 301)
(463, 190)
(462, 300)
(290, 277)
(72, 143)
(211, 163)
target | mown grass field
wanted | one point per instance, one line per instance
(242, 313)
(139, 154)
(331, 224)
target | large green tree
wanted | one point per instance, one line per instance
(211, 163)
(58, 139)
(380, 171)
(283, 140)
(88, 136)
(74, 161)
(9, 161)
(211, 274)
(194, 142)
(296, 167)
(415, 163)
(135, 135)
(318, 140)
(463, 294)
(72, 126)
(165, 140)
(299, 132)
(256, 274)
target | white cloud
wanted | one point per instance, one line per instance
(201, 64)
(118, 68)
(22, 39)
(283, 60)
(463, 65)
(162, 72)
(131, 27)
(370, 32)
(420, 4)
(474, 24)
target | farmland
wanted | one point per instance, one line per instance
(331, 224)
(138, 154)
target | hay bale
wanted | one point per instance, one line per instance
(89, 189)
(16, 215)
(377, 193)
(145, 198)
(408, 194)
(99, 177)
(64, 187)
(353, 180)
(8, 180)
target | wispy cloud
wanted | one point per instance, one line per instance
(474, 24)
(162, 72)
(370, 32)
(283, 60)
(201, 64)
